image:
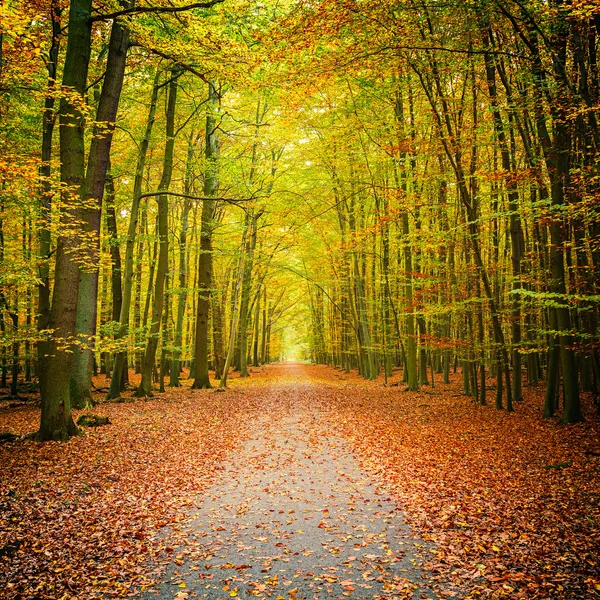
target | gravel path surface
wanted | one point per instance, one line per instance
(293, 516)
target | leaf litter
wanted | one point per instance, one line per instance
(293, 516)
(303, 482)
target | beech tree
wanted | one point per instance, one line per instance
(375, 188)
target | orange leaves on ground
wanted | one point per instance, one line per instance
(502, 505)
(510, 501)
(89, 517)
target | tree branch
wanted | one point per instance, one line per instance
(155, 9)
(179, 195)
(176, 60)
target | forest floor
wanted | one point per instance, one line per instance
(303, 482)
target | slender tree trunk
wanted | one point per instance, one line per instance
(211, 182)
(481, 332)
(137, 304)
(255, 358)
(411, 340)
(217, 314)
(263, 343)
(153, 254)
(145, 388)
(164, 337)
(181, 304)
(115, 254)
(14, 371)
(120, 363)
(235, 316)
(244, 312)
(46, 193)
(385, 267)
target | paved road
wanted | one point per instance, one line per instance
(293, 516)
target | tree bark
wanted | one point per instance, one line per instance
(235, 316)
(120, 357)
(56, 422)
(46, 193)
(148, 364)
(201, 350)
(244, 312)
(98, 160)
(181, 303)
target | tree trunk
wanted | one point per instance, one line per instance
(236, 316)
(201, 376)
(56, 422)
(255, 359)
(263, 342)
(116, 266)
(137, 304)
(98, 160)
(411, 340)
(121, 357)
(46, 193)
(148, 364)
(217, 319)
(244, 312)
(181, 304)
(164, 337)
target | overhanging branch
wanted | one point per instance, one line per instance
(136, 10)
(201, 198)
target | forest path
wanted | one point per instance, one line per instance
(292, 514)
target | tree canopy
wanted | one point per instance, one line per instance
(365, 184)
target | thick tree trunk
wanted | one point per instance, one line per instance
(552, 375)
(56, 422)
(99, 156)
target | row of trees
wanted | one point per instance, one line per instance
(124, 299)
(413, 184)
(465, 193)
